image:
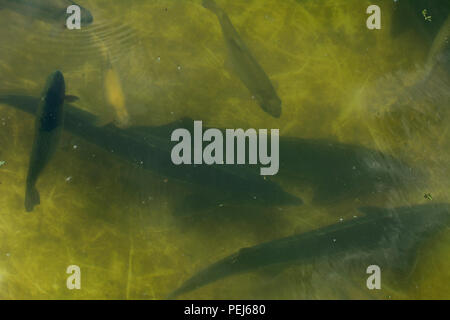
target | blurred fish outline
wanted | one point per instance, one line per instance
(48, 127)
(245, 65)
(150, 148)
(390, 237)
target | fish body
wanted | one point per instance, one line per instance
(245, 65)
(112, 88)
(48, 126)
(46, 10)
(334, 170)
(397, 232)
(115, 97)
(337, 171)
(150, 149)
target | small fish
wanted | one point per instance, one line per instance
(112, 89)
(397, 233)
(46, 10)
(48, 126)
(428, 196)
(115, 97)
(246, 67)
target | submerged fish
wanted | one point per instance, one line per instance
(396, 232)
(112, 88)
(246, 67)
(48, 127)
(47, 10)
(337, 171)
(150, 149)
(115, 97)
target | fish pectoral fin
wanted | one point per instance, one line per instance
(70, 98)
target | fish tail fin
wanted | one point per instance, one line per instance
(210, 5)
(32, 198)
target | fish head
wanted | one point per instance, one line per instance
(387, 171)
(426, 219)
(55, 88)
(270, 103)
(86, 17)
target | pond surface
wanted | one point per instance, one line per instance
(364, 122)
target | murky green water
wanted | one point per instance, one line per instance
(129, 229)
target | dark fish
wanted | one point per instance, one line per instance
(396, 232)
(46, 10)
(337, 171)
(246, 67)
(48, 126)
(150, 148)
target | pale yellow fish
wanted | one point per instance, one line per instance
(115, 98)
(113, 91)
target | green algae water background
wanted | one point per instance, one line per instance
(128, 229)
